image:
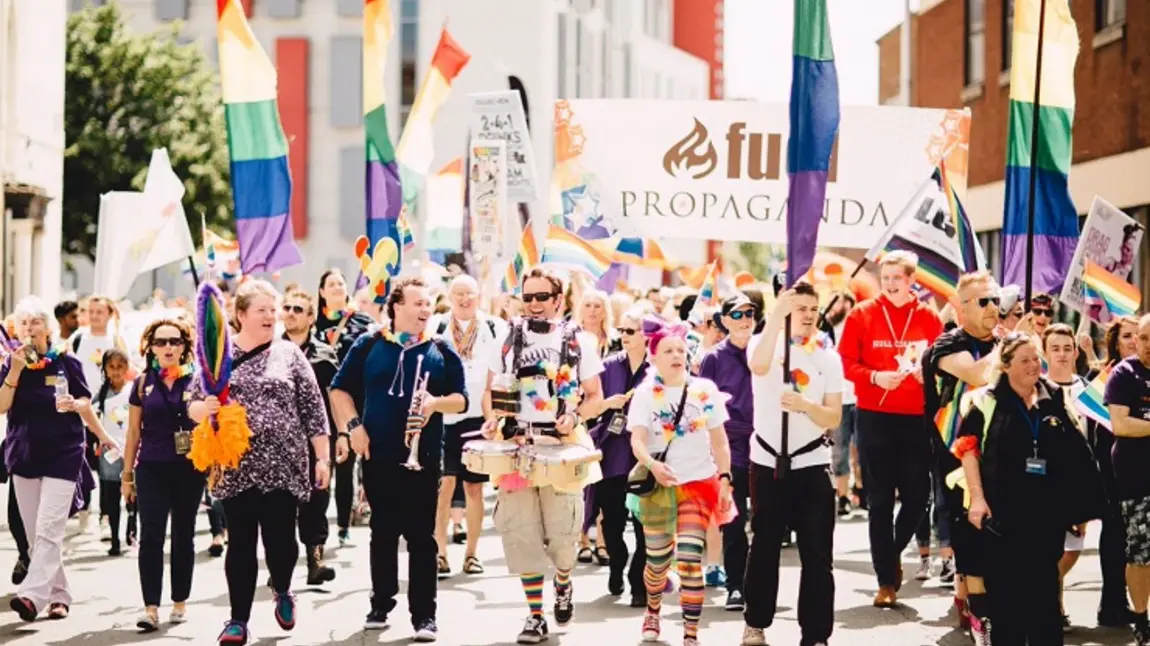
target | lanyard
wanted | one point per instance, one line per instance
(890, 326)
(1032, 422)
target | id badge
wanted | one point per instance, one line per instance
(1036, 466)
(617, 424)
(183, 442)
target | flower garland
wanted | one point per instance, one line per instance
(404, 339)
(566, 387)
(49, 356)
(172, 372)
(334, 315)
(666, 415)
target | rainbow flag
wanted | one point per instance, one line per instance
(1091, 402)
(709, 292)
(947, 419)
(1121, 298)
(526, 257)
(417, 144)
(406, 238)
(261, 180)
(384, 197)
(563, 247)
(643, 252)
(1055, 216)
(814, 126)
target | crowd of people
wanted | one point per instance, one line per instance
(710, 437)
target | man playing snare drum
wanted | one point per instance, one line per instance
(548, 375)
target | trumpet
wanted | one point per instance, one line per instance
(415, 416)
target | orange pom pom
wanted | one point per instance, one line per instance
(222, 445)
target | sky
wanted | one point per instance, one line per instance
(758, 47)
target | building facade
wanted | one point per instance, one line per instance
(31, 148)
(960, 56)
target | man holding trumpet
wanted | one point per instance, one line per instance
(407, 382)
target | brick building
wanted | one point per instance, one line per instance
(960, 56)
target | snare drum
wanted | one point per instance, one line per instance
(490, 457)
(557, 465)
(505, 395)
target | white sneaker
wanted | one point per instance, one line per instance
(753, 637)
(924, 569)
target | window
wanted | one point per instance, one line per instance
(627, 72)
(1109, 12)
(1007, 33)
(409, 51)
(578, 58)
(975, 42)
(605, 64)
(561, 78)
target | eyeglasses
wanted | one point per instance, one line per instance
(989, 300)
(294, 309)
(1042, 311)
(739, 315)
(541, 297)
(627, 331)
(163, 342)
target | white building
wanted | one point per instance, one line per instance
(31, 148)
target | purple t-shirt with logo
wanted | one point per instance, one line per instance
(163, 412)
(726, 365)
(1129, 385)
(42, 443)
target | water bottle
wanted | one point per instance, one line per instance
(112, 455)
(61, 387)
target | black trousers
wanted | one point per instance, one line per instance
(735, 532)
(1022, 583)
(313, 526)
(403, 503)
(166, 489)
(804, 501)
(343, 478)
(110, 499)
(250, 515)
(1112, 541)
(16, 526)
(896, 455)
(611, 499)
(216, 522)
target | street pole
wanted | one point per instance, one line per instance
(1034, 133)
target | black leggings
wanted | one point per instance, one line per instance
(250, 515)
(163, 490)
(110, 499)
(611, 496)
(344, 476)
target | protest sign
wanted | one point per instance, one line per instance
(1111, 240)
(499, 116)
(487, 190)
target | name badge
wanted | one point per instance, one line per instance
(617, 424)
(183, 442)
(1036, 466)
(50, 380)
(148, 390)
(187, 396)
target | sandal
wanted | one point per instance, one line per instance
(584, 555)
(58, 611)
(471, 565)
(601, 555)
(444, 566)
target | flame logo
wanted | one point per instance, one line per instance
(689, 157)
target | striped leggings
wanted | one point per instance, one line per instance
(688, 540)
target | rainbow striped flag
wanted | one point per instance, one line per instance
(1092, 401)
(643, 252)
(526, 257)
(417, 144)
(383, 205)
(1055, 216)
(261, 180)
(709, 292)
(814, 126)
(948, 418)
(564, 248)
(1120, 297)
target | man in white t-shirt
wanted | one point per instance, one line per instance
(475, 338)
(540, 525)
(799, 495)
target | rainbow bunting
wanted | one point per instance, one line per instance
(1120, 297)
(417, 144)
(563, 247)
(261, 180)
(526, 257)
(1091, 402)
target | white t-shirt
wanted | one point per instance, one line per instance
(849, 397)
(90, 352)
(115, 416)
(484, 358)
(546, 347)
(690, 453)
(814, 374)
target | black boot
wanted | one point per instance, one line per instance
(317, 572)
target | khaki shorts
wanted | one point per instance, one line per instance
(539, 527)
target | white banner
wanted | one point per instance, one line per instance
(487, 179)
(1110, 239)
(926, 222)
(717, 169)
(499, 116)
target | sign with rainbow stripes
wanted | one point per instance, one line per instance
(1105, 290)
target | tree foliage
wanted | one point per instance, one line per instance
(127, 93)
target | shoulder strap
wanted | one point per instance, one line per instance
(76, 341)
(491, 326)
(675, 424)
(255, 352)
(442, 326)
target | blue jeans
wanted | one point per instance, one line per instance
(841, 452)
(940, 515)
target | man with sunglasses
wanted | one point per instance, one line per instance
(726, 365)
(956, 364)
(540, 526)
(298, 317)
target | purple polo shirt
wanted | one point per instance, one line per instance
(163, 412)
(616, 379)
(726, 365)
(41, 442)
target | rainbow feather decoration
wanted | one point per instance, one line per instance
(218, 441)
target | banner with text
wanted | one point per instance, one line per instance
(487, 192)
(717, 169)
(499, 116)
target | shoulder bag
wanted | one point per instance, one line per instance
(641, 481)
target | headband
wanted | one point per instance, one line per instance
(656, 329)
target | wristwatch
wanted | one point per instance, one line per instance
(725, 475)
(352, 424)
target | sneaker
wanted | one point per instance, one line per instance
(148, 622)
(753, 637)
(716, 577)
(1066, 625)
(946, 574)
(788, 538)
(690, 640)
(924, 569)
(844, 507)
(534, 630)
(1115, 617)
(735, 601)
(376, 620)
(235, 634)
(20, 571)
(980, 631)
(285, 610)
(651, 626)
(344, 537)
(564, 604)
(426, 631)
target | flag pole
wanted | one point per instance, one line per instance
(1034, 132)
(195, 276)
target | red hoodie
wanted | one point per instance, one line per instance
(868, 345)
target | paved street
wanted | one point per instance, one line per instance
(488, 610)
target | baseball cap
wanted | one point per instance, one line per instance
(735, 302)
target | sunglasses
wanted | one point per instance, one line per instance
(989, 300)
(739, 315)
(540, 297)
(164, 341)
(294, 309)
(628, 331)
(1042, 311)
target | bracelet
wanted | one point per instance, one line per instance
(10, 385)
(873, 375)
(725, 475)
(128, 477)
